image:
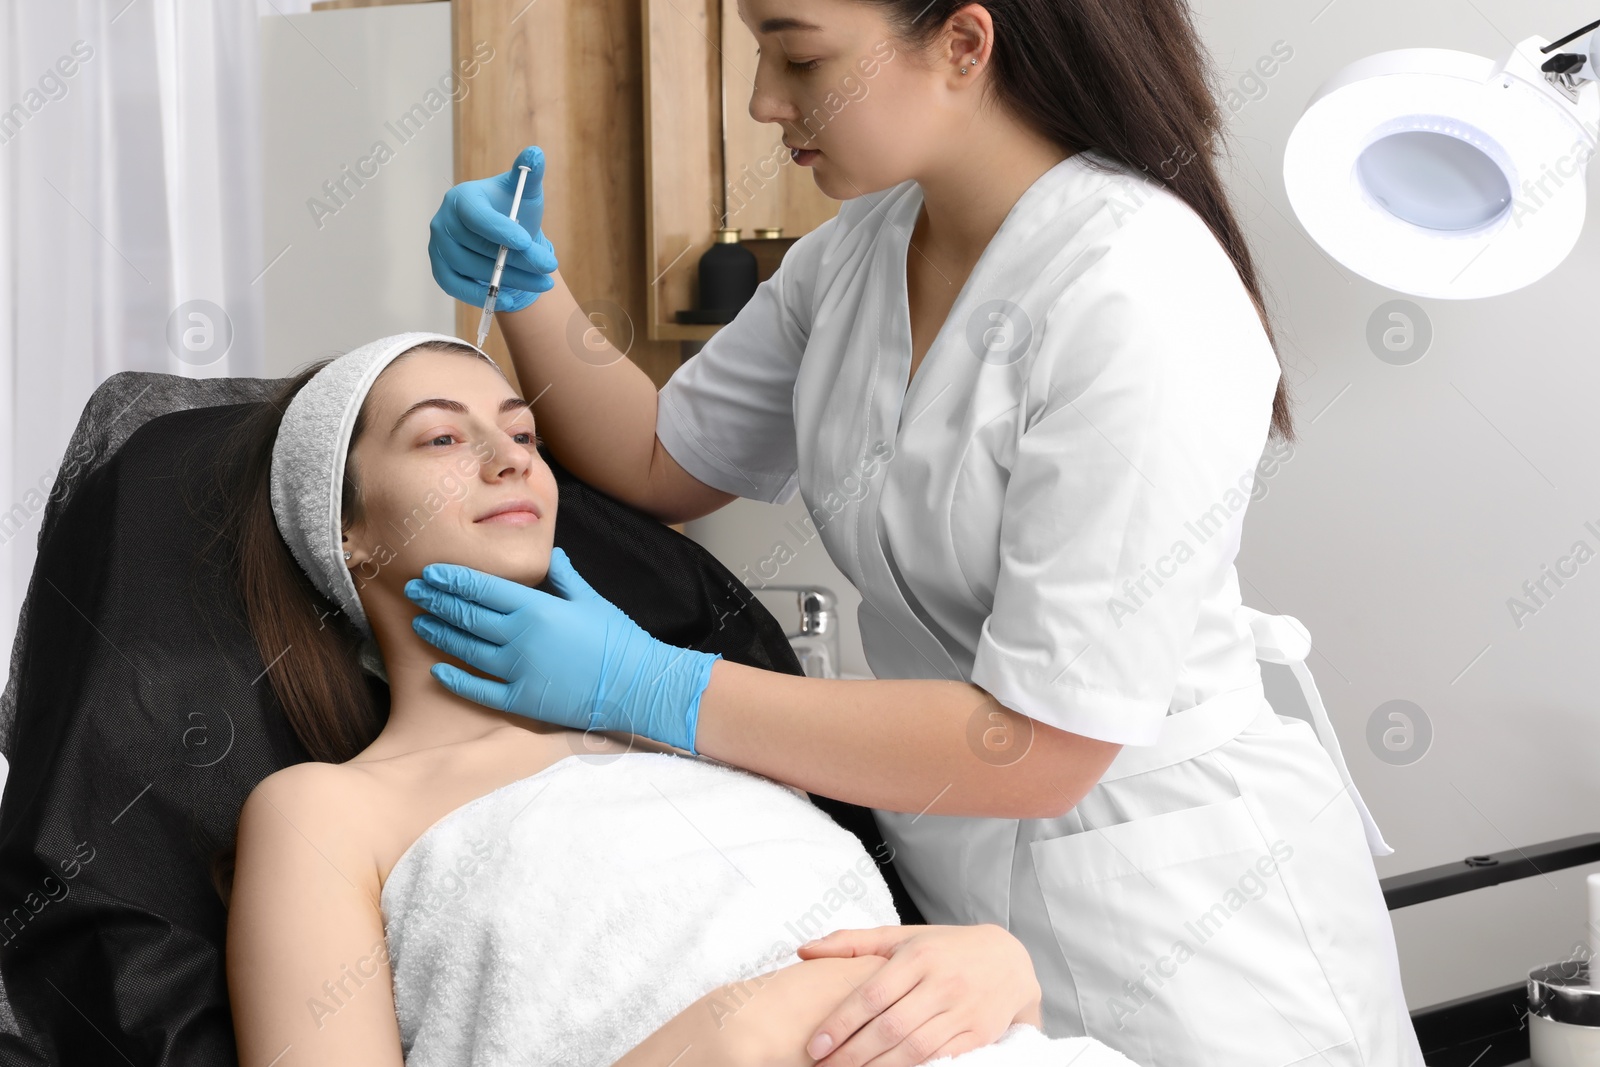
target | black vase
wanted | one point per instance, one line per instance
(728, 276)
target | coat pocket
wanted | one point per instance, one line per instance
(1183, 943)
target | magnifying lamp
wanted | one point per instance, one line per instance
(1449, 175)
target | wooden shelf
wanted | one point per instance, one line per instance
(690, 89)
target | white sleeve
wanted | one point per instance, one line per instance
(727, 414)
(1150, 401)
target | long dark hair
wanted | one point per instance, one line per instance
(1126, 78)
(310, 647)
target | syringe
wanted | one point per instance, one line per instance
(499, 265)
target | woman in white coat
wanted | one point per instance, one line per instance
(1022, 383)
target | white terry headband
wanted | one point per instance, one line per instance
(308, 470)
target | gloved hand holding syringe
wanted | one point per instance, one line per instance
(485, 243)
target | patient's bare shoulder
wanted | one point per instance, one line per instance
(312, 783)
(305, 907)
(325, 804)
(308, 787)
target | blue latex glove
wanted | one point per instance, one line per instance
(472, 223)
(571, 658)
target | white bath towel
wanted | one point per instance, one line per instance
(565, 917)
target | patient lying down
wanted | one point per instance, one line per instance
(450, 884)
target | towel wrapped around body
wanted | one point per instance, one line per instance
(563, 918)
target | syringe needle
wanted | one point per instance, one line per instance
(486, 319)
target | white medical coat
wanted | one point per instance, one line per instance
(1089, 417)
(1051, 512)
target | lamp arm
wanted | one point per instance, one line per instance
(1569, 38)
(1568, 70)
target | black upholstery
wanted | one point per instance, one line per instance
(136, 722)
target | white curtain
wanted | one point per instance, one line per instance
(130, 221)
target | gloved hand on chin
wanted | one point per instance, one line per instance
(570, 657)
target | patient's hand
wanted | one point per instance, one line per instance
(945, 990)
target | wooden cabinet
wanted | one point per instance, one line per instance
(642, 109)
(568, 78)
(706, 158)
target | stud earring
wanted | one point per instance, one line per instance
(347, 555)
(973, 61)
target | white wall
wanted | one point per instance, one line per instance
(354, 264)
(1418, 500)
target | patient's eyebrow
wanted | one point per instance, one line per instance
(510, 403)
(780, 24)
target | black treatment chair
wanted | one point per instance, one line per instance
(136, 720)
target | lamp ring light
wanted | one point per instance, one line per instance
(1445, 174)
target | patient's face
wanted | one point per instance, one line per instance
(444, 442)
